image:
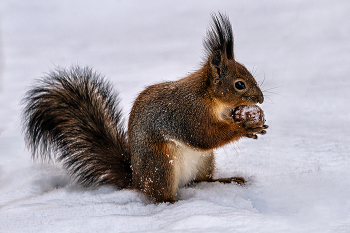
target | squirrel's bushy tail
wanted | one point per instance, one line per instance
(73, 116)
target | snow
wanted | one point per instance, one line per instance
(244, 112)
(299, 172)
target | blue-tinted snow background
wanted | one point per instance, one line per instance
(299, 171)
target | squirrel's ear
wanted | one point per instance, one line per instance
(216, 59)
(216, 62)
(219, 40)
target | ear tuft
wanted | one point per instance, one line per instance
(219, 37)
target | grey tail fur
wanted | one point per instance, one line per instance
(73, 116)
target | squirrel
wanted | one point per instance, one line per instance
(73, 115)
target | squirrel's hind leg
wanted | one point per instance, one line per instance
(157, 179)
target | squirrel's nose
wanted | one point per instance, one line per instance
(260, 97)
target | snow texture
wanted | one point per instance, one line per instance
(299, 172)
(253, 113)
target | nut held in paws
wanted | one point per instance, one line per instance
(244, 112)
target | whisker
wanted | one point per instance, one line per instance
(270, 100)
(254, 71)
(270, 92)
(261, 84)
(272, 88)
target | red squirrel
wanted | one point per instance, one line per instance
(174, 127)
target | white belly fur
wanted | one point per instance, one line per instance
(187, 162)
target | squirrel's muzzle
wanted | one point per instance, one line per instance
(258, 97)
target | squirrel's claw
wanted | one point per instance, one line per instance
(263, 132)
(253, 136)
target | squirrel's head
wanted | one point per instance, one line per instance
(229, 81)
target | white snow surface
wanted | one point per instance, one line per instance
(299, 172)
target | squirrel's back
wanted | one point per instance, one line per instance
(165, 108)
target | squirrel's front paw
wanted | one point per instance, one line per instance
(255, 136)
(252, 129)
(252, 119)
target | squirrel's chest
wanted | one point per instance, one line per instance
(188, 162)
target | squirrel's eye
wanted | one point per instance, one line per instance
(240, 86)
